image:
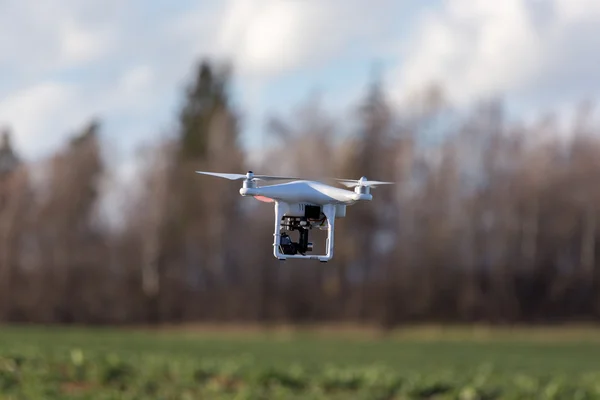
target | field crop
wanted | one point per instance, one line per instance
(75, 363)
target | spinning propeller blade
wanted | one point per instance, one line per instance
(249, 175)
(362, 182)
(232, 177)
(275, 178)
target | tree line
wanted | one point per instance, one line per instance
(490, 220)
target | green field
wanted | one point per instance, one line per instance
(50, 363)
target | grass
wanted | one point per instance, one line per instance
(417, 363)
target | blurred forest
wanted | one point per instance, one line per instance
(493, 221)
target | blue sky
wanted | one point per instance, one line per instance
(64, 62)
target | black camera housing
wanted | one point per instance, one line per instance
(312, 212)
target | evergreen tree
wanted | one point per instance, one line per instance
(189, 244)
(206, 96)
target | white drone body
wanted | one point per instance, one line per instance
(303, 205)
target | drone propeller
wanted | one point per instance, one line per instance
(250, 175)
(362, 182)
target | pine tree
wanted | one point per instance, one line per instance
(192, 226)
(204, 98)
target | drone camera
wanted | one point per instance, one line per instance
(286, 245)
(302, 225)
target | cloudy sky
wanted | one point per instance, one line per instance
(62, 62)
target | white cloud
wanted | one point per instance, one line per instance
(41, 37)
(79, 45)
(136, 83)
(43, 115)
(539, 51)
(30, 112)
(266, 38)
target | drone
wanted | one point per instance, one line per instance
(302, 205)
